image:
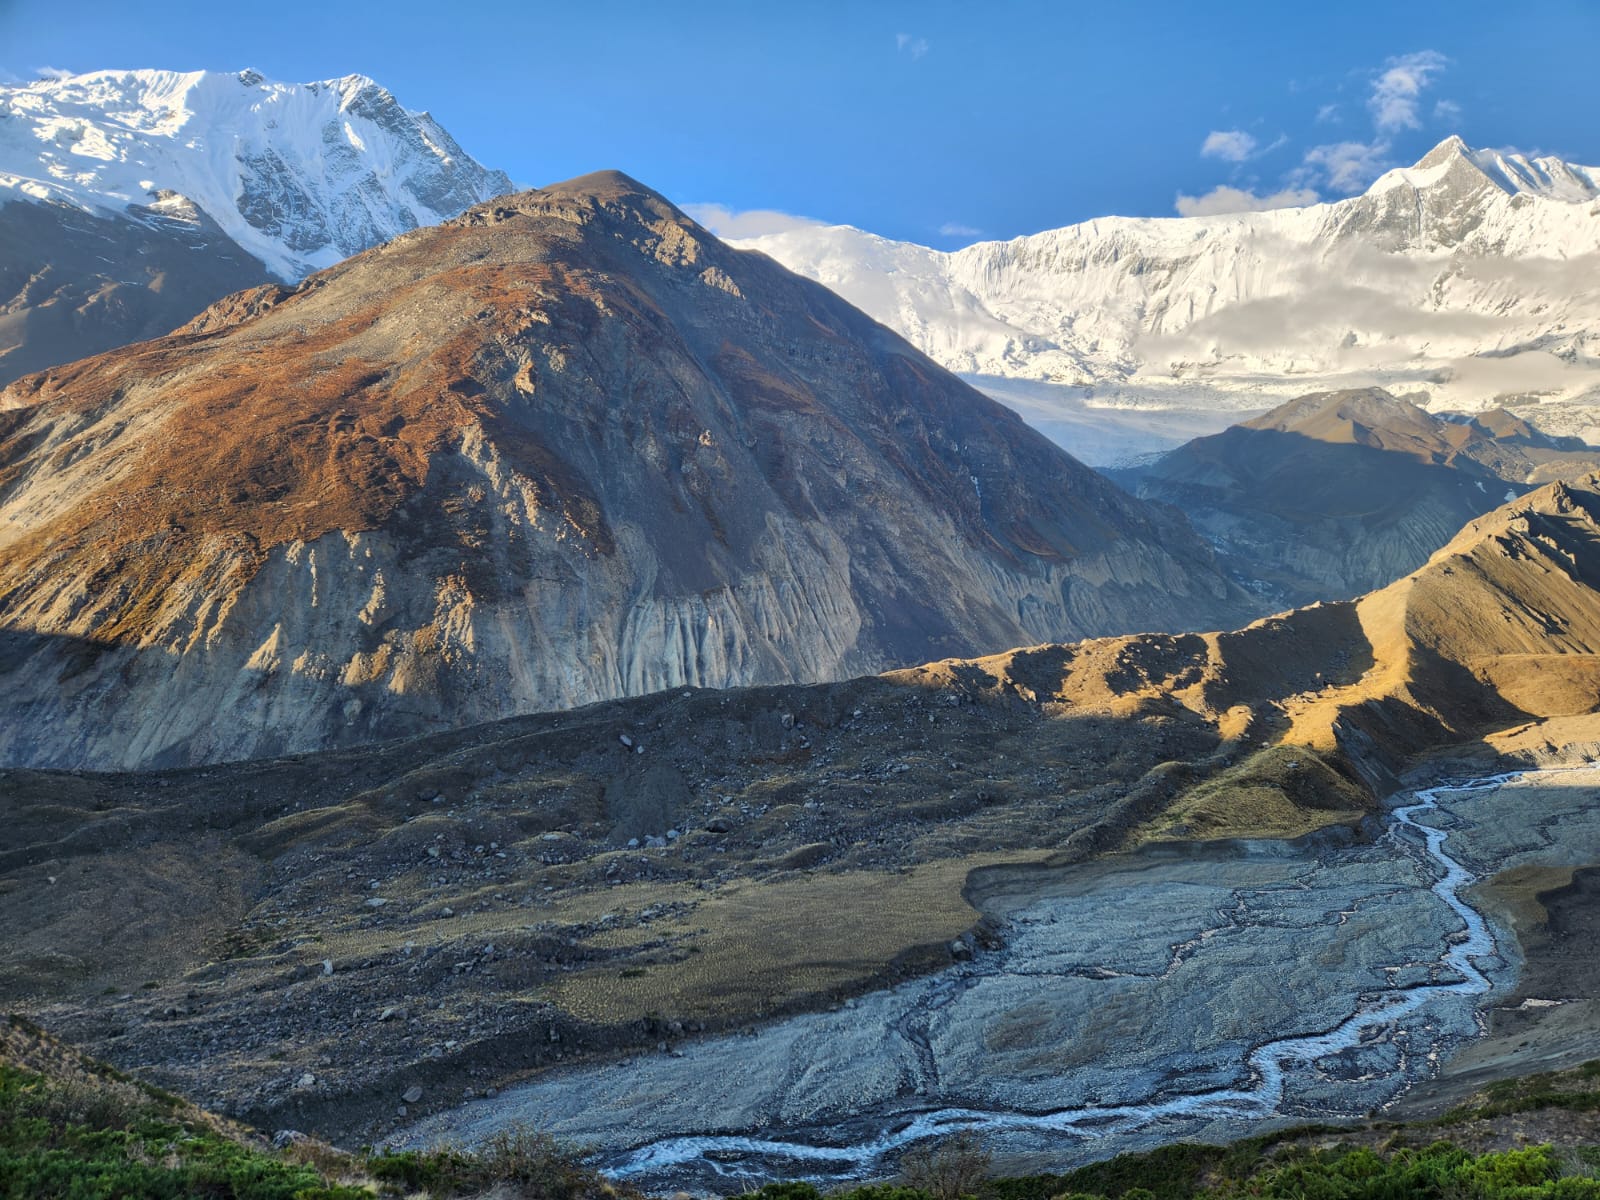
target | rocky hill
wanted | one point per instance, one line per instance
(1339, 493)
(565, 447)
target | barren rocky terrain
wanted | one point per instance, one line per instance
(321, 941)
(1138, 1000)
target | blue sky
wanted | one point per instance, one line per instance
(936, 122)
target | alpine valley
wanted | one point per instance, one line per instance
(483, 666)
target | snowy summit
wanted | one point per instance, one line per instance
(298, 175)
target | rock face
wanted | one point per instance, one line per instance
(566, 447)
(1339, 493)
(129, 200)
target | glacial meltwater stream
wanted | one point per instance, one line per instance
(1142, 999)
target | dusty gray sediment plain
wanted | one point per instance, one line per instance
(1176, 993)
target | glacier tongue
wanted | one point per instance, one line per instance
(1466, 281)
(299, 175)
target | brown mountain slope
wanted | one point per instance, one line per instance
(1499, 629)
(565, 447)
(1337, 493)
(799, 843)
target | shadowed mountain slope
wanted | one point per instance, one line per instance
(1337, 493)
(566, 447)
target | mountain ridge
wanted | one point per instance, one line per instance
(130, 200)
(1467, 280)
(298, 175)
(1335, 494)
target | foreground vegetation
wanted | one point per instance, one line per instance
(1186, 1172)
(78, 1130)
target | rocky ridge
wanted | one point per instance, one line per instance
(1338, 493)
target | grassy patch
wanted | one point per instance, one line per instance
(101, 1137)
(77, 1130)
(1577, 1090)
(1258, 1168)
(1281, 791)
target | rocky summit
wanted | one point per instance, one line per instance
(565, 447)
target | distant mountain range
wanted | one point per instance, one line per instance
(129, 200)
(1469, 281)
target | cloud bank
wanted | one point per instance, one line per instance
(1226, 199)
(726, 222)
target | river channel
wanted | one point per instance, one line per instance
(1175, 993)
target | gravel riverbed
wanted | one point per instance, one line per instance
(1194, 992)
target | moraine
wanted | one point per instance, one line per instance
(1177, 993)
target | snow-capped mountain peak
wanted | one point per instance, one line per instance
(1465, 281)
(1510, 171)
(299, 175)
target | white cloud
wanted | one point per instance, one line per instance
(748, 223)
(954, 229)
(1398, 88)
(1447, 110)
(1230, 145)
(53, 73)
(1236, 200)
(910, 43)
(1328, 113)
(1350, 166)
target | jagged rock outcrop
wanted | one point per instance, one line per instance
(1338, 493)
(565, 447)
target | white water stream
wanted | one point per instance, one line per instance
(1264, 1069)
